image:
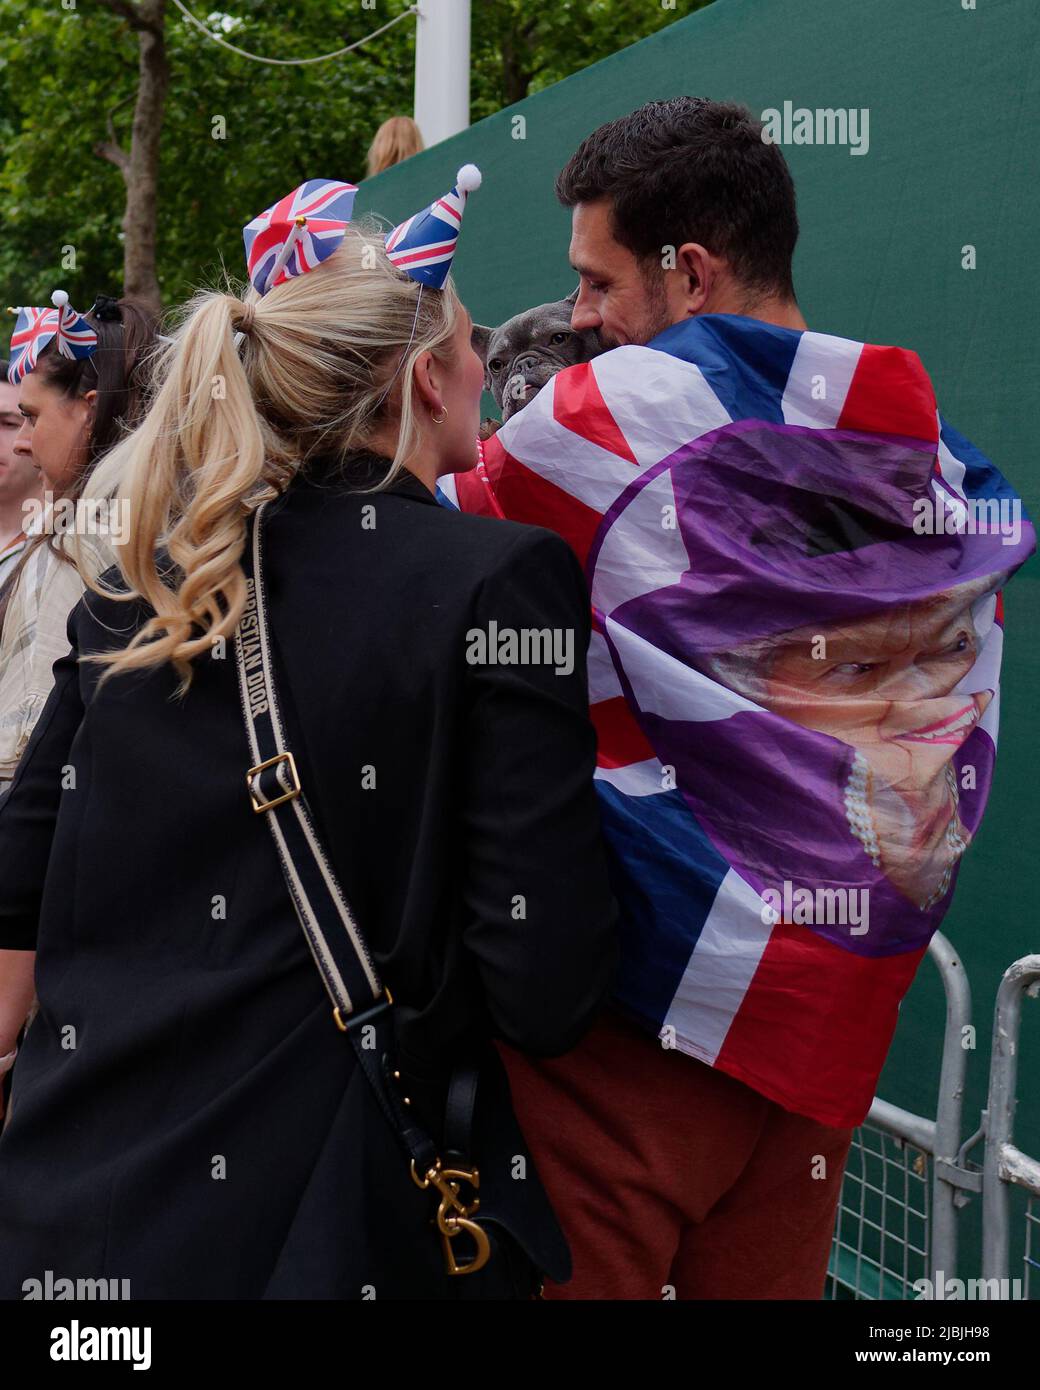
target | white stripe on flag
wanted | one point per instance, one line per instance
(990, 721)
(659, 401)
(823, 366)
(985, 674)
(603, 678)
(720, 970)
(635, 779)
(952, 470)
(669, 688)
(585, 470)
(446, 484)
(626, 566)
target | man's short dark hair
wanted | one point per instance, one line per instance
(690, 169)
(4, 366)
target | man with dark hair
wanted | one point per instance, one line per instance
(672, 1178)
(743, 495)
(679, 208)
(19, 480)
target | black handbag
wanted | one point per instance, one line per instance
(480, 1194)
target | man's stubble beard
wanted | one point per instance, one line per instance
(656, 316)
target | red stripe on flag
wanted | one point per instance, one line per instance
(621, 740)
(440, 249)
(813, 1030)
(524, 495)
(890, 394)
(999, 613)
(579, 406)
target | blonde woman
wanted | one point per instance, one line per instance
(184, 1114)
(396, 139)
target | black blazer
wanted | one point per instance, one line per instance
(455, 800)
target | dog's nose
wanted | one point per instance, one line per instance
(526, 363)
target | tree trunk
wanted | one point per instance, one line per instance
(142, 171)
(140, 166)
(516, 75)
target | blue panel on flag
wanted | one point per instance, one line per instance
(981, 479)
(747, 370)
(665, 873)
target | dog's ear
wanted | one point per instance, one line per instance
(480, 337)
(572, 298)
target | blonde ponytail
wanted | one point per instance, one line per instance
(230, 425)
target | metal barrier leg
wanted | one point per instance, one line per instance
(946, 1184)
(1004, 1163)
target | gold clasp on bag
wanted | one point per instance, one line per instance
(453, 1214)
(256, 796)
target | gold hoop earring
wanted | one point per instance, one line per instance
(444, 416)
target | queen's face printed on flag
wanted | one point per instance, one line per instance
(795, 686)
(891, 686)
(823, 691)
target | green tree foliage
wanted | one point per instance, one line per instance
(237, 134)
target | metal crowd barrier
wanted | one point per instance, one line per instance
(1005, 1166)
(908, 1176)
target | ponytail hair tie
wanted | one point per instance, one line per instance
(106, 309)
(247, 318)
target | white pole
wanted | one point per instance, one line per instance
(442, 68)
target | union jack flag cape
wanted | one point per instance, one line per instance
(796, 569)
(35, 327)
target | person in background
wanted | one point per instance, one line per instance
(19, 480)
(396, 139)
(73, 409)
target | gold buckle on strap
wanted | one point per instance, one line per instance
(261, 805)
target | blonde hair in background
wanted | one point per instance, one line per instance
(229, 427)
(396, 139)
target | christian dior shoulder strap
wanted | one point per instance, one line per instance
(273, 783)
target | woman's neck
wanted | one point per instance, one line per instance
(421, 463)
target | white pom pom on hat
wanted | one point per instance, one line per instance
(468, 178)
(60, 298)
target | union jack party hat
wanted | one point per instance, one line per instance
(298, 232)
(423, 246)
(34, 329)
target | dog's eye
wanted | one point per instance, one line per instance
(495, 365)
(559, 337)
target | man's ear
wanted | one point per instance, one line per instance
(480, 337)
(700, 270)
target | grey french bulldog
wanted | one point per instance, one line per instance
(526, 351)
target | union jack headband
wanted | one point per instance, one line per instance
(34, 329)
(298, 232)
(424, 245)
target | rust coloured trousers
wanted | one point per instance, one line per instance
(671, 1179)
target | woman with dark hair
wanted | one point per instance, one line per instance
(73, 410)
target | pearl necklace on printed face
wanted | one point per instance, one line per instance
(858, 795)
